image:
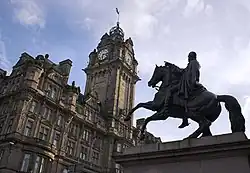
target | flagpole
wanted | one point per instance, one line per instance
(118, 16)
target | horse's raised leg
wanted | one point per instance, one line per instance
(154, 117)
(147, 105)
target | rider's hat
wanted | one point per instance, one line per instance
(192, 54)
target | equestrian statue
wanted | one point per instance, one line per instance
(180, 95)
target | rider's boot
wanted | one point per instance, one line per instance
(184, 123)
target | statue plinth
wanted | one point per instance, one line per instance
(228, 153)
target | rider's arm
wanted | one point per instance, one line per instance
(177, 69)
(194, 69)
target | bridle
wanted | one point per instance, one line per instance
(157, 88)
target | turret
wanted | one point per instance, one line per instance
(33, 70)
(71, 94)
(65, 66)
(92, 58)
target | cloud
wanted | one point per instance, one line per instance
(29, 13)
(167, 30)
(193, 7)
(5, 63)
(86, 24)
(208, 10)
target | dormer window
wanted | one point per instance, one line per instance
(33, 107)
(51, 91)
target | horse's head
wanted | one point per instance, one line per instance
(158, 75)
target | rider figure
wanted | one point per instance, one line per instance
(191, 76)
(174, 88)
(190, 79)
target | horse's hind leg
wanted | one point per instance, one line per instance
(203, 125)
(206, 132)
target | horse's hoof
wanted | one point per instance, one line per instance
(183, 125)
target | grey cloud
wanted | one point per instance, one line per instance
(29, 13)
(4, 61)
(161, 30)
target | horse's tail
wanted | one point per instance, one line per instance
(233, 107)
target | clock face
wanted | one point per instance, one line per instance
(103, 54)
(128, 59)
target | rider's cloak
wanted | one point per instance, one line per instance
(190, 79)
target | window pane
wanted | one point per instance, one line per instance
(25, 164)
(28, 128)
(37, 164)
(42, 166)
(59, 120)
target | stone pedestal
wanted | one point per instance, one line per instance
(227, 153)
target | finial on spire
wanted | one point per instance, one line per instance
(118, 16)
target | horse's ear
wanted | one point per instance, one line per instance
(156, 65)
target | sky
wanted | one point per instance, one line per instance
(162, 30)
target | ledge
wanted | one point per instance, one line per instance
(213, 146)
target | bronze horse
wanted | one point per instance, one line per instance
(203, 107)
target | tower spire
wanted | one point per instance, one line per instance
(118, 16)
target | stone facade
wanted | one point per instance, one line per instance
(149, 137)
(49, 126)
(228, 153)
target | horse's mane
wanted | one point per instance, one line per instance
(174, 70)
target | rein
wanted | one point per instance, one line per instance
(157, 88)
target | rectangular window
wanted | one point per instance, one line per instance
(96, 157)
(44, 133)
(39, 165)
(10, 125)
(28, 128)
(83, 153)
(53, 93)
(118, 168)
(35, 164)
(47, 113)
(33, 107)
(119, 147)
(73, 129)
(70, 147)
(59, 120)
(89, 117)
(26, 162)
(98, 143)
(113, 123)
(56, 139)
(86, 135)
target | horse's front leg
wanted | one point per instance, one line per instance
(155, 117)
(147, 105)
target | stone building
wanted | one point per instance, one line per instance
(49, 126)
(149, 137)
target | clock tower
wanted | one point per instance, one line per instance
(112, 72)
